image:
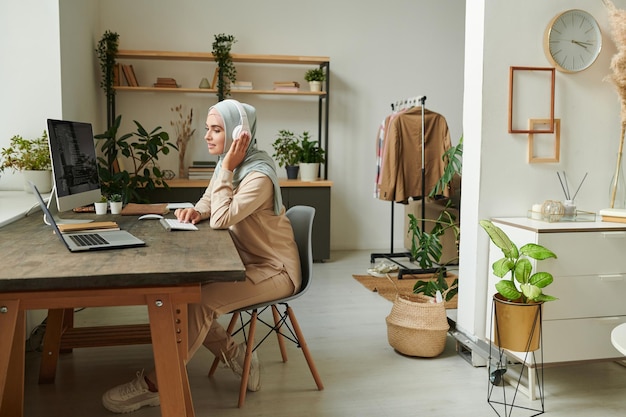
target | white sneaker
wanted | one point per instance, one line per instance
(383, 269)
(130, 397)
(236, 364)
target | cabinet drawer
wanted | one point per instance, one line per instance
(581, 339)
(585, 253)
(586, 296)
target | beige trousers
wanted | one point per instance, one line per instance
(224, 297)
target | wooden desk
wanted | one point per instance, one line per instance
(39, 272)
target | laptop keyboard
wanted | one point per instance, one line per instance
(88, 239)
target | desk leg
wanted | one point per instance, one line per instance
(12, 329)
(174, 388)
(51, 344)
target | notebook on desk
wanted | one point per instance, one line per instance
(89, 240)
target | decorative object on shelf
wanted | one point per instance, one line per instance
(184, 133)
(311, 156)
(617, 21)
(552, 211)
(523, 290)
(204, 83)
(32, 158)
(227, 72)
(143, 155)
(572, 41)
(287, 152)
(315, 77)
(569, 206)
(107, 51)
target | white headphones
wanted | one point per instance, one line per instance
(243, 126)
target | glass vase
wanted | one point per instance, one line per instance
(617, 191)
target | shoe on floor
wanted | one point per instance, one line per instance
(383, 269)
(130, 397)
(236, 364)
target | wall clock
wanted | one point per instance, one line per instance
(572, 41)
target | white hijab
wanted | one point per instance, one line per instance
(255, 159)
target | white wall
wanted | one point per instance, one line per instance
(30, 71)
(497, 180)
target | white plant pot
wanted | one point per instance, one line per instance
(116, 207)
(315, 85)
(308, 172)
(42, 179)
(101, 208)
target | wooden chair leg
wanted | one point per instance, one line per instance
(305, 348)
(229, 330)
(246, 364)
(279, 336)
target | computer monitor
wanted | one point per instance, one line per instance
(74, 166)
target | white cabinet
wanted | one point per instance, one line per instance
(589, 282)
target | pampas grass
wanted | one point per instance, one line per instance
(617, 21)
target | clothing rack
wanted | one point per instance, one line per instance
(395, 107)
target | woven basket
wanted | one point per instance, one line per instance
(417, 327)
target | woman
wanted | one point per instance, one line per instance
(243, 197)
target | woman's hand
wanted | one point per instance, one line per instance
(237, 152)
(188, 215)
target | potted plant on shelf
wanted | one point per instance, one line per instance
(32, 158)
(311, 156)
(519, 298)
(287, 152)
(315, 77)
(227, 73)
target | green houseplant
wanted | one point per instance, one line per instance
(287, 152)
(315, 77)
(32, 158)
(143, 155)
(311, 156)
(519, 298)
(107, 51)
(227, 73)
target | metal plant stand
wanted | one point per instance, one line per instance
(506, 399)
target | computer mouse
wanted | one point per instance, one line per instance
(150, 217)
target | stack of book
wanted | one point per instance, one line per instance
(286, 85)
(241, 85)
(201, 170)
(613, 215)
(166, 82)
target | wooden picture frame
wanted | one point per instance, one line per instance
(552, 74)
(556, 157)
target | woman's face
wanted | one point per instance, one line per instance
(215, 134)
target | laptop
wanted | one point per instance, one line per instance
(89, 240)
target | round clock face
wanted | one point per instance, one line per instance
(572, 41)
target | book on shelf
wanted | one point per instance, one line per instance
(285, 88)
(614, 219)
(613, 215)
(204, 163)
(166, 82)
(117, 69)
(129, 74)
(286, 84)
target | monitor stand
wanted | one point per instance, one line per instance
(54, 211)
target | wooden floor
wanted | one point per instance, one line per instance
(363, 376)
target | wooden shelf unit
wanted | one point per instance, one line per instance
(322, 61)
